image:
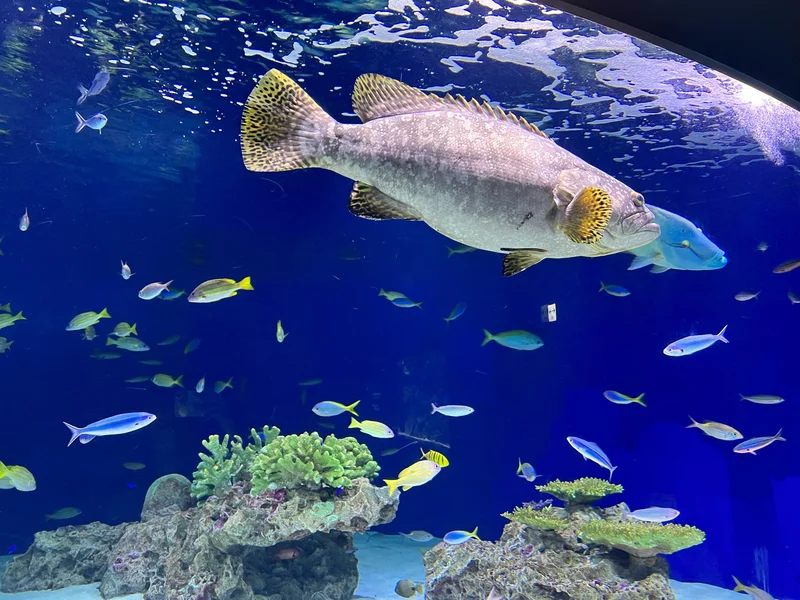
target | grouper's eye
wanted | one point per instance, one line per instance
(638, 199)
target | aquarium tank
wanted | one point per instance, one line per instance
(459, 299)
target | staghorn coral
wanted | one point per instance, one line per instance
(215, 473)
(545, 519)
(246, 454)
(311, 461)
(581, 491)
(640, 539)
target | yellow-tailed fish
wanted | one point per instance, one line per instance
(89, 333)
(454, 538)
(716, 430)
(220, 386)
(162, 380)
(754, 592)
(5, 344)
(214, 290)
(419, 473)
(84, 320)
(17, 477)
(280, 334)
(391, 296)
(437, 457)
(7, 320)
(5, 307)
(372, 428)
(328, 408)
(124, 329)
(618, 398)
(131, 344)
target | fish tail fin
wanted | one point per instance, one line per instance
(694, 423)
(434, 408)
(169, 283)
(75, 431)
(602, 287)
(353, 424)
(778, 437)
(382, 293)
(639, 400)
(179, 381)
(450, 252)
(721, 335)
(474, 533)
(739, 587)
(81, 122)
(110, 342)
(133, 329)
(228, 383)
(84, 94)
(419, 588)
(281, 126)
(352, 407)
(19, 317)
(611, 472)
(3, 469)
(104, 314)
(392, 483)
(741, 396)
(519, 466)
(487, 337)
(245, 284)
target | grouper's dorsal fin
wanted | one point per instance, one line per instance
(376, 96)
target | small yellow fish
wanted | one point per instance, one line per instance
(89, 333)
(437, 457)
(214, 290)
(84, 320)
(372, 428)
(134, 466)
(166, 381)
(220, 386)
(7, 320)
(123, 329)
(419, 473)
(6, 345)
(280, 334)
(16, 477)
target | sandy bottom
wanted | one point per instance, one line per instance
(382, 560)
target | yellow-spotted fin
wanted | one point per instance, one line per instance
(586, 215)
(437, 457)
(517, 260)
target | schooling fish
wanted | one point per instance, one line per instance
(221, 386)
(372, 428)
(152, 290)
(682, 246)
(406, 303)
(694, 343)
(418, 536)
(750, 446)
(516, 339)
(457, 311)
(789, 265)
(5, 345)
(419, 473)
(716, 430)
(745, 296)
(131, 344)
(171, 294)
(62, 514)
(591, 451)
(124, 329)
(162, 380)
(614, 290)
(84, 320)
(280, 334)
(328, 408)
(391, 296)
(7, 320)
(215, 290)
(191, 346)
(99, 83)
(24, 221)
(762, 398)
(89, 333)
(526, 471)
(752, 591)
(169, 341)
(618, 398)
(474, 173)
(16, 477)
(454, 538)
(97, 122)
(654, 514)
(116, 425)
(452, 410)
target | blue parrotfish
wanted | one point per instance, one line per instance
(682, 245)
(116, 425)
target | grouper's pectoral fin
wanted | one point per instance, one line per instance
(583, 217)
(517, 260)
(369, 202)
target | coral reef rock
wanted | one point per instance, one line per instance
(277, 545)
(534, 564)
(167, 494)
(72, 555)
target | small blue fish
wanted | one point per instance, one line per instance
(694, 343)
(516, 339)
(96, 122)
(454, 538)
(614, 290)
(338, 491)
(99, 83)
(457, 311)
(116, 425)
(406, 303)
(682, 245)
(12, 548)
(130, 486)
(171, 294)
(591, 451)
(191, 346)
(526, 471)
(750, 446)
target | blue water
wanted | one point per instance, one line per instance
(166, 191)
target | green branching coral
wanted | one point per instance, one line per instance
(581, 491)
(545, 519)
(641, 539)
(246, 454)
(308, 460)
(215, 473)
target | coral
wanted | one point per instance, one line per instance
(307, 460)
(643, 540)
(215, 473)
(246, 454)
(581, 491)
(544, 519)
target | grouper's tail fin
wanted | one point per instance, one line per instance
(282, 126)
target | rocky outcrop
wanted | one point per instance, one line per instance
(531, 564)
(167, 494)
(67, 556)
(278, 545)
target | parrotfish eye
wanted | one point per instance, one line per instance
(638, 199)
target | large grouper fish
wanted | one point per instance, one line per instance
(476, 174)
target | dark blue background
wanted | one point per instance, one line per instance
(290, 232)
